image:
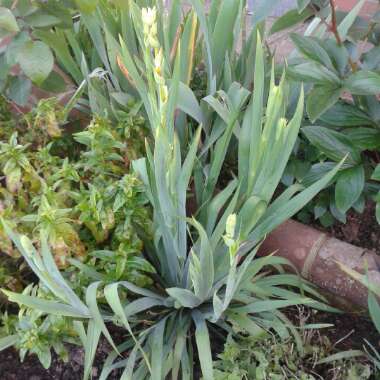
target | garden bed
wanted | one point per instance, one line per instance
(131, 240)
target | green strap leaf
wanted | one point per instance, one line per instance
(49, 307)
(202, 339)
(8, 341)
(348, 21)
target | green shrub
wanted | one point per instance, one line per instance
(338, 59)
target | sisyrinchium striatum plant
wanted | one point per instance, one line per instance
(208, 221)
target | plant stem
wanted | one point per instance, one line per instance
(334, 30)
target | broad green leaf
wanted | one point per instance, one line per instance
(54, 83)
(19, 90)
(349, 186)
(336, 213)
(290, 19)
(363, 82)
(310, 48)
(320, 99)
(41, 19)
(338, 54)
(334, 145)
(346, 115)
(36, 60)
(8, 21)
(57, 42)
(314, 73)
(364, 138)
(348, 21)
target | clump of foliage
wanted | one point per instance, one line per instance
(206, 274)
(32, 332)
(86, 203)
(373, 308)
(245, 357)
(338, 59)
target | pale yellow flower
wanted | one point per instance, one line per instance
(149, 16)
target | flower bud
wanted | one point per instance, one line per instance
(230, 225)
(149, 16)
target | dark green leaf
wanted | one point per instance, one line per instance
(320, 99)
(314, 73)
(289, 19)
(346, 115)
(42, 20)
(19, 90)
(364, 138)
(310, 48)
(334, 145)
(54, 83)
(337, 214)
(337, 53)
(349, 187)
(363, 83)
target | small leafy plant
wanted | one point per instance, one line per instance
(245, 357)
(86, 206)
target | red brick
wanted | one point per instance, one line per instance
(368, 9)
